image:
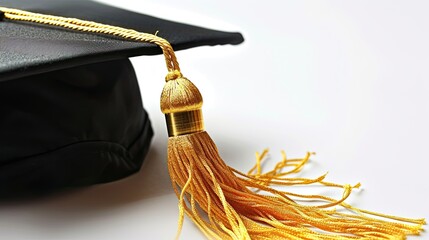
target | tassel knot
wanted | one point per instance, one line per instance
(173, 75)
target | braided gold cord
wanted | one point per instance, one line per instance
(94, 27)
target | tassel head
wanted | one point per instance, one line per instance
(181, 102)
(180, 95)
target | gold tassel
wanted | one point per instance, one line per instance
(219, 199)
(223, 202)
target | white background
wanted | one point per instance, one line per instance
(346, 79)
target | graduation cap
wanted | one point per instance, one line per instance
(71, 110)
(72, 116)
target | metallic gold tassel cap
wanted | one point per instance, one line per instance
(181, 102)
(181, 123)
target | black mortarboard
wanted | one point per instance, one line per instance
(71, 110)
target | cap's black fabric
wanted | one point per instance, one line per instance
(71, 127)
(70, 107)
(28, 48)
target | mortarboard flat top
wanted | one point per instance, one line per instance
(27, 49)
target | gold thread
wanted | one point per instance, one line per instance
(181, 123)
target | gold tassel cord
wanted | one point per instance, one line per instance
(93, 27)
(224, 202)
